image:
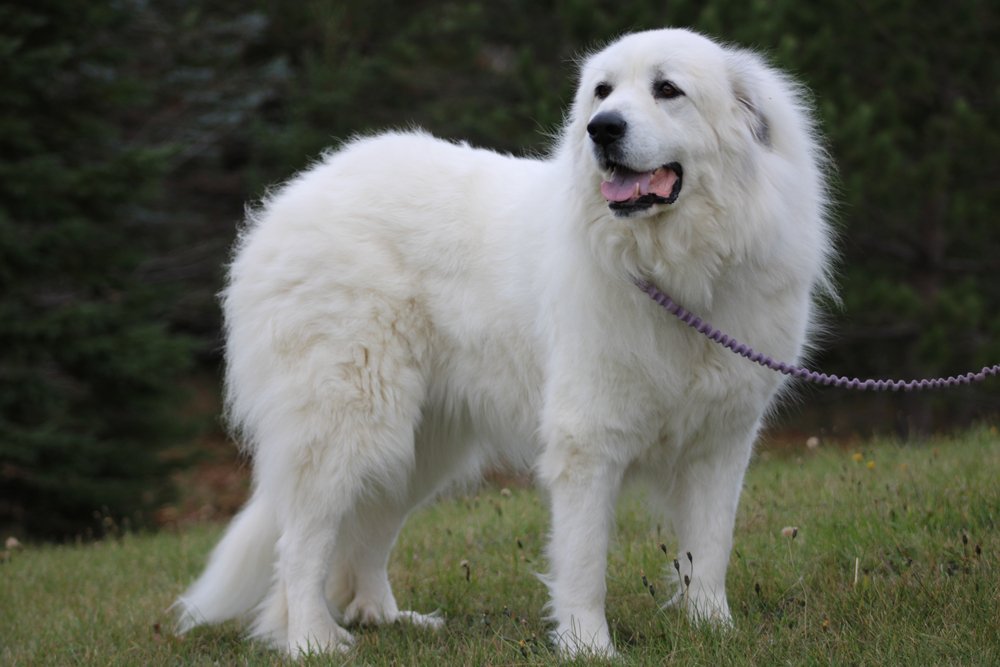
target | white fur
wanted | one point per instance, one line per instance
(409, 311)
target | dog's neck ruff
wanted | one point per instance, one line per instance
(800, 372)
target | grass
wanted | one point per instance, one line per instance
(894, 562)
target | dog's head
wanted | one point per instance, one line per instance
(691, 157)
(658, 112)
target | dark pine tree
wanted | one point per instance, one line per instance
(88, 367)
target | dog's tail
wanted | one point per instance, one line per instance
(239, 570)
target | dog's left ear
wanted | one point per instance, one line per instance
(744, 81)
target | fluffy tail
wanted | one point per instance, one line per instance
(239, 571)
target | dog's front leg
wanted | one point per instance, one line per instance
(583, 487)
(703, 504)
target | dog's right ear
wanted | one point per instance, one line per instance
(746, 86)
(759, 126)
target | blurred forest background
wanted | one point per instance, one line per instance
(132, 133)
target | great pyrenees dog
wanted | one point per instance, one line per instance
(409, 312)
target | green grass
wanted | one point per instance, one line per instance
(894, 563)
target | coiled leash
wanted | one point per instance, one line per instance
(800, 372)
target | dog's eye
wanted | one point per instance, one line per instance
(666, 90)
(602, 90)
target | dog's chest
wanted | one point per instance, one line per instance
(698, 385)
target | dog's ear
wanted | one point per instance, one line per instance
(759, 126)
(745, 84)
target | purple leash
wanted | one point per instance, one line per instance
(746, 351)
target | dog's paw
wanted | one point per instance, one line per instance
(584, 640)
(569, 648)
(363, 611)
(332, 639)
(704, 608)
(433, 621)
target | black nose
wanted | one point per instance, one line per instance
(606, 128)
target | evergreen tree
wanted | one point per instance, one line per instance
(88, 367)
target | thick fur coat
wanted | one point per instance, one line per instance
(409, 311)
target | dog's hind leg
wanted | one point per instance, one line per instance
(318, 500)
(336, 434)
(303, 558)
(367, 597)
(358, 588)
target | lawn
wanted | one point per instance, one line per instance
(893, 561)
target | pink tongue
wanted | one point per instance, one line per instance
(626, 185)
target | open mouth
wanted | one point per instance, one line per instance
(628, 191)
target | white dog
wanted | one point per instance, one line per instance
(409, 311)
